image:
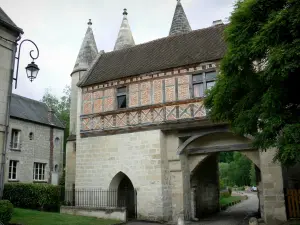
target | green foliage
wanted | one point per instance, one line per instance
(61, 107)
(225, 194)
(230, 190)
(62, 178)
(226, 157)
(6, 211)
(261, 101)
(235, 172)
(33, 196)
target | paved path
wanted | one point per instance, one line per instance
(235, 215)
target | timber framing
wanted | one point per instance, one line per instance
(223, 148)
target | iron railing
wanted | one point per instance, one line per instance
(97, 198)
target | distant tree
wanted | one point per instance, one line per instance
(61, 107)
(256, 90)
(226, 157)
(239, 170)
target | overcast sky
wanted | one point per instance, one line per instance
(58, 28)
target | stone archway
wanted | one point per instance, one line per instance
(201, 152)
(124, 193)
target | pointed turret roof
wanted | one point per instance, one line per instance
(88, 50)
(125, 38)
(180, 23)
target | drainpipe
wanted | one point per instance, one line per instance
(50, 120)
(9, 93)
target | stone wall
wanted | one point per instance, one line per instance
(138, 155)
(7, 52)
(70, 164)
(36, 150)
(274, 208)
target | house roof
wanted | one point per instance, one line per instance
(32, 110)
(6, 21)
(173, 51)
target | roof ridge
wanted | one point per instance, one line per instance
(31, 99)
(168, 37)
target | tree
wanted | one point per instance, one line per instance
(61, 107)
(239, 170)
(256, 90)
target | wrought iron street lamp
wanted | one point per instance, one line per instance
(32, 69)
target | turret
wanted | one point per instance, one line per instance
(180, 23)
(125, 38)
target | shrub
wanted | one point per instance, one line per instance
(225, 194)
(33, 196)
(229, 190)
(6, 210)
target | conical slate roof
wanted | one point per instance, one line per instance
(88, 51)
(180, 23)
(125, 38)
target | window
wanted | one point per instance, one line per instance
(30, 136)
(39, 171)
(57, 141)
(121, 97)
(203, 81)
(12, 172)
(56, 168)
(15, 139)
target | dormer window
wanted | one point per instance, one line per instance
(121, 97)
(202, 82)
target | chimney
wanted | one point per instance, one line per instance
(50, 115)
(218, 22)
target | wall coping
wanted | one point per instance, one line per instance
(115, 209)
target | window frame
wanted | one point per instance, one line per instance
(37, 166)
(204, 81)
(13, 131)
(120, 94)
(11, 172)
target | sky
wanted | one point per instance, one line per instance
(58, 28)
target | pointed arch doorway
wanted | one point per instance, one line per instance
(126, 194)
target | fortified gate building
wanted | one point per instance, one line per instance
(138, 122)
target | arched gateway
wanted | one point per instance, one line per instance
(125, 194)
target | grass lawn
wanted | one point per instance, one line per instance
(30, 217)
(225, 201)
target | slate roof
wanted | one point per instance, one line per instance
(32, 110)
(173, 51)
(180, 23)
(6, 21)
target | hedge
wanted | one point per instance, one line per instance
(43, 197)
(6, 211)
(225, 194)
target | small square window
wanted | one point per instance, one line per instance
(121, 97)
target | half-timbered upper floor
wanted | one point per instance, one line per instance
(152, 85)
